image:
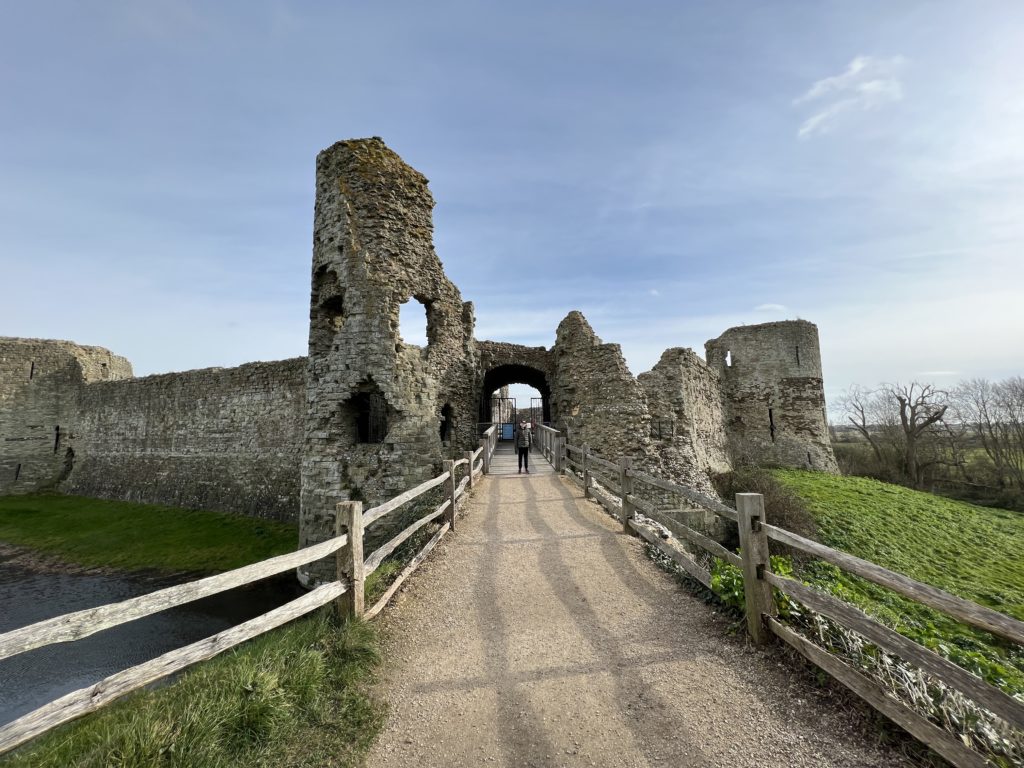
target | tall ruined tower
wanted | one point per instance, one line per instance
(381, 414)
(773, 395)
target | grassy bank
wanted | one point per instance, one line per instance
(971, 551)
(296, 696)
(125, 536)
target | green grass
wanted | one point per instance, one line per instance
(126, 536)
(974, 552)
(297, 696)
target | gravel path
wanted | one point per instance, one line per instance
(539, 635)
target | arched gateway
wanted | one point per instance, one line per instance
(502, 364)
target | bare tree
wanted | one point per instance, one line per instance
(904, 425)
(995, 415)
(921, 407)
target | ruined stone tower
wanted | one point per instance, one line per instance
(773, 395)
(379, 411)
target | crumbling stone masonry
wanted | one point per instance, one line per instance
(366, 415)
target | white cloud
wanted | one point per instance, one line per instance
(867, 83)
(770, 308)
(654, 292)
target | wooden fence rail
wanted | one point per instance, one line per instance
(758, 581)
(346, 591)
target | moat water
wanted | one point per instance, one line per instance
(28, 595)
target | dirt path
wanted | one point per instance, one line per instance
(539, 635)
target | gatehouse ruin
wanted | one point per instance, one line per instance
(366, 415)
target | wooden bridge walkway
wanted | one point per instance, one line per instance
(505, 462)
(543, 636)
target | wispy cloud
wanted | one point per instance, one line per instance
(866, 84)
(770, 308)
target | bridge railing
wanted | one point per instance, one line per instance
(488, 442)
(550, 443)
(624, 490)
(347, 591)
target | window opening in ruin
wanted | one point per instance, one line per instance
(413, 321)
(447, 422)
(328, 314)
(771, 423)
(371, 417)
(728, 359)
(17, 472)
(662, 429)
(32, 370)
(798, 355)
(809, 462)
(56, 439)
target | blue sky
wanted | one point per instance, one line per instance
(670, 169)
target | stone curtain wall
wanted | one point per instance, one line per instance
(39, 386)
(773, 394)
(225, 439)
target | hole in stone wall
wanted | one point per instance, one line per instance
(56, 439)
(17, 472)
(809, 462)
(32, 370)
(771, 423)
(327, 315)
(728, 359)
(413, 321)
(447, 423)
(798, 355)
(68, 465)
(371, 417)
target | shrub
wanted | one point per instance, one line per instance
(783, 507)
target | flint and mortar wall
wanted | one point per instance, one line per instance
(596, 396)
(39, 385)
(688, 426)
(225, 439)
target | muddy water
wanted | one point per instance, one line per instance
(29, 594)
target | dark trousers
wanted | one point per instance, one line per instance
(524, 458)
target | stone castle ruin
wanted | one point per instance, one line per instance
(366, 415)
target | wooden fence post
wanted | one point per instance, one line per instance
(586, 472)
(757, 592)
(349, 517)
(626, 485)
(559, 461)
(485, 456)
(469, 458)
(449, 515)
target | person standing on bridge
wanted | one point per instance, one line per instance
(524, 438)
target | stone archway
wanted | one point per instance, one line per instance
(514, 373)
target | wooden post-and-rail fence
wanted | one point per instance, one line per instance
(755, 533)
(347, 591)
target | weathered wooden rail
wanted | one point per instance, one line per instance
(599, 477)
(346, 591)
